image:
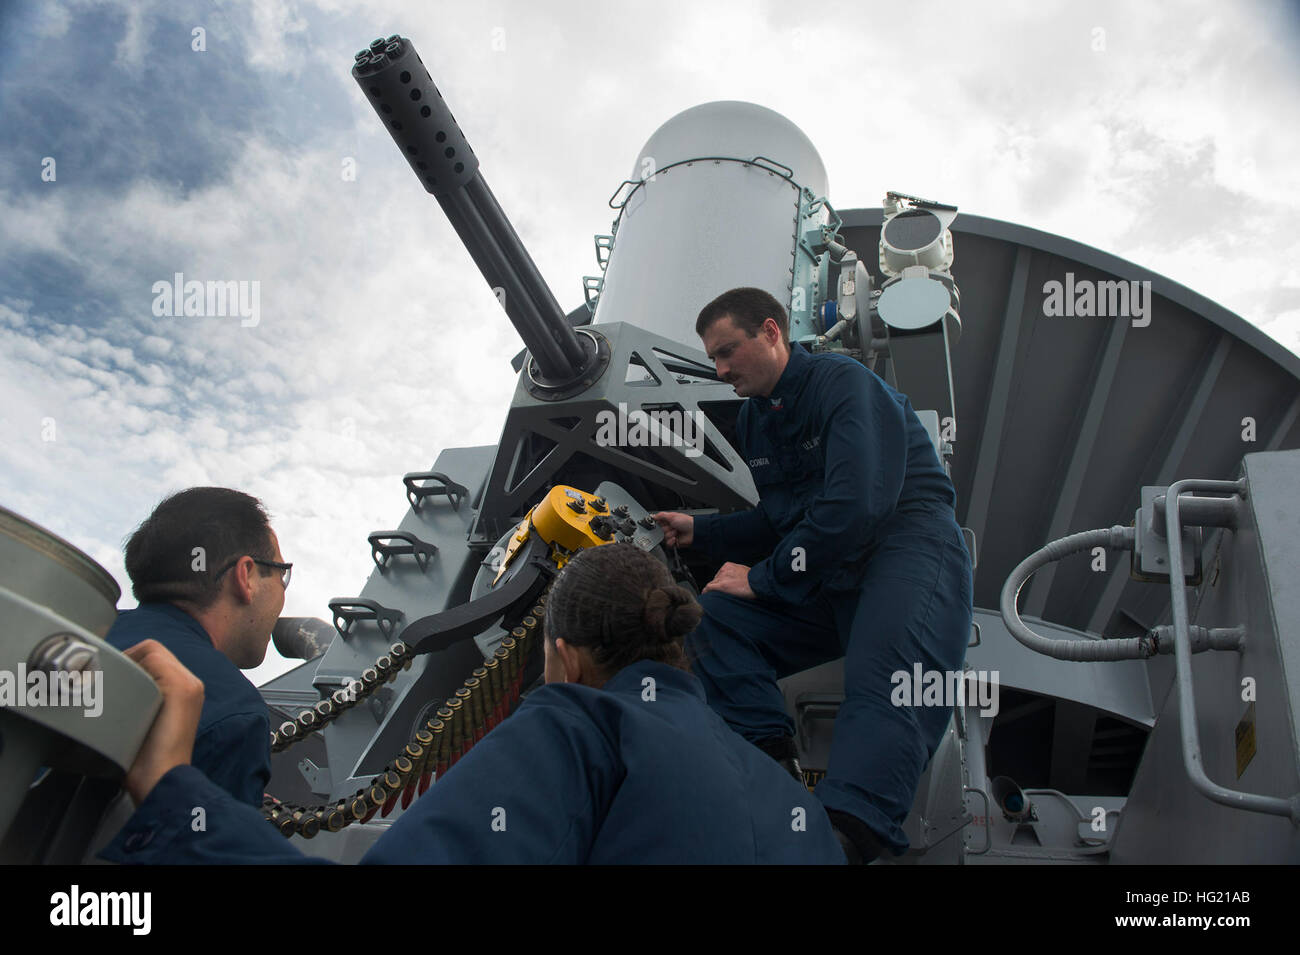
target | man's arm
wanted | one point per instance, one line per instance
(739, 536)
(235, 753)
(535, 789)
(187, 819)
(865, 437)
(181, 815)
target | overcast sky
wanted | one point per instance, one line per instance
(1163, 133)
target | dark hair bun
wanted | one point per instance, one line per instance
(622, 604)
(670, 613)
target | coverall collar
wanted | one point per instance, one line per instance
(628, 680)
(791, 380)
(180, 616)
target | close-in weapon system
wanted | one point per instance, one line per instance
(1140, 709)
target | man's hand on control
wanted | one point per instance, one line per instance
(679, 529)
(170, 742)
(731, 579)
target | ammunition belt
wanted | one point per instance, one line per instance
(488, 695)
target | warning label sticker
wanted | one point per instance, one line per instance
(1246, 739)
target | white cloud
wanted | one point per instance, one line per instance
(131, 48)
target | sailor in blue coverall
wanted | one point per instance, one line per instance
(215, 618)
(853, 551)
(233, 746)
(618, 759)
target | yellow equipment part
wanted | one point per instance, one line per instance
(568, 519)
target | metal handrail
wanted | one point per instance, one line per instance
(1252, 802)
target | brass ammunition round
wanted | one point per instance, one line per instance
(324, 710)
(483, 705)
(417, 753)
(307, 719)
(493, 681)
(456, 721)
(438, 749)
(466, 697)
(335, 820)
(369, 676)
(457, 725)
(446, 716)
(288, 730)
(478, 718)
(511, 647)
(522, 644)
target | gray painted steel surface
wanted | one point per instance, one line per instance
(1250, 581)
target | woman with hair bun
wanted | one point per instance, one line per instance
(617, 759)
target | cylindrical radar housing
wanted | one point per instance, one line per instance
(704, 219)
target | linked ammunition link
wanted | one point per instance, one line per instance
(384, 670)
(487, 696)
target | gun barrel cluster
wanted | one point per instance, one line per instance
(403, 94)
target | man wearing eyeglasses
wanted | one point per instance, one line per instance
(207, 571)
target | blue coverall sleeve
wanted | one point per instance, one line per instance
(734, 536)
(864, 433)
(534, 790)
(739, 536)
(189, 820)
(235, 753)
